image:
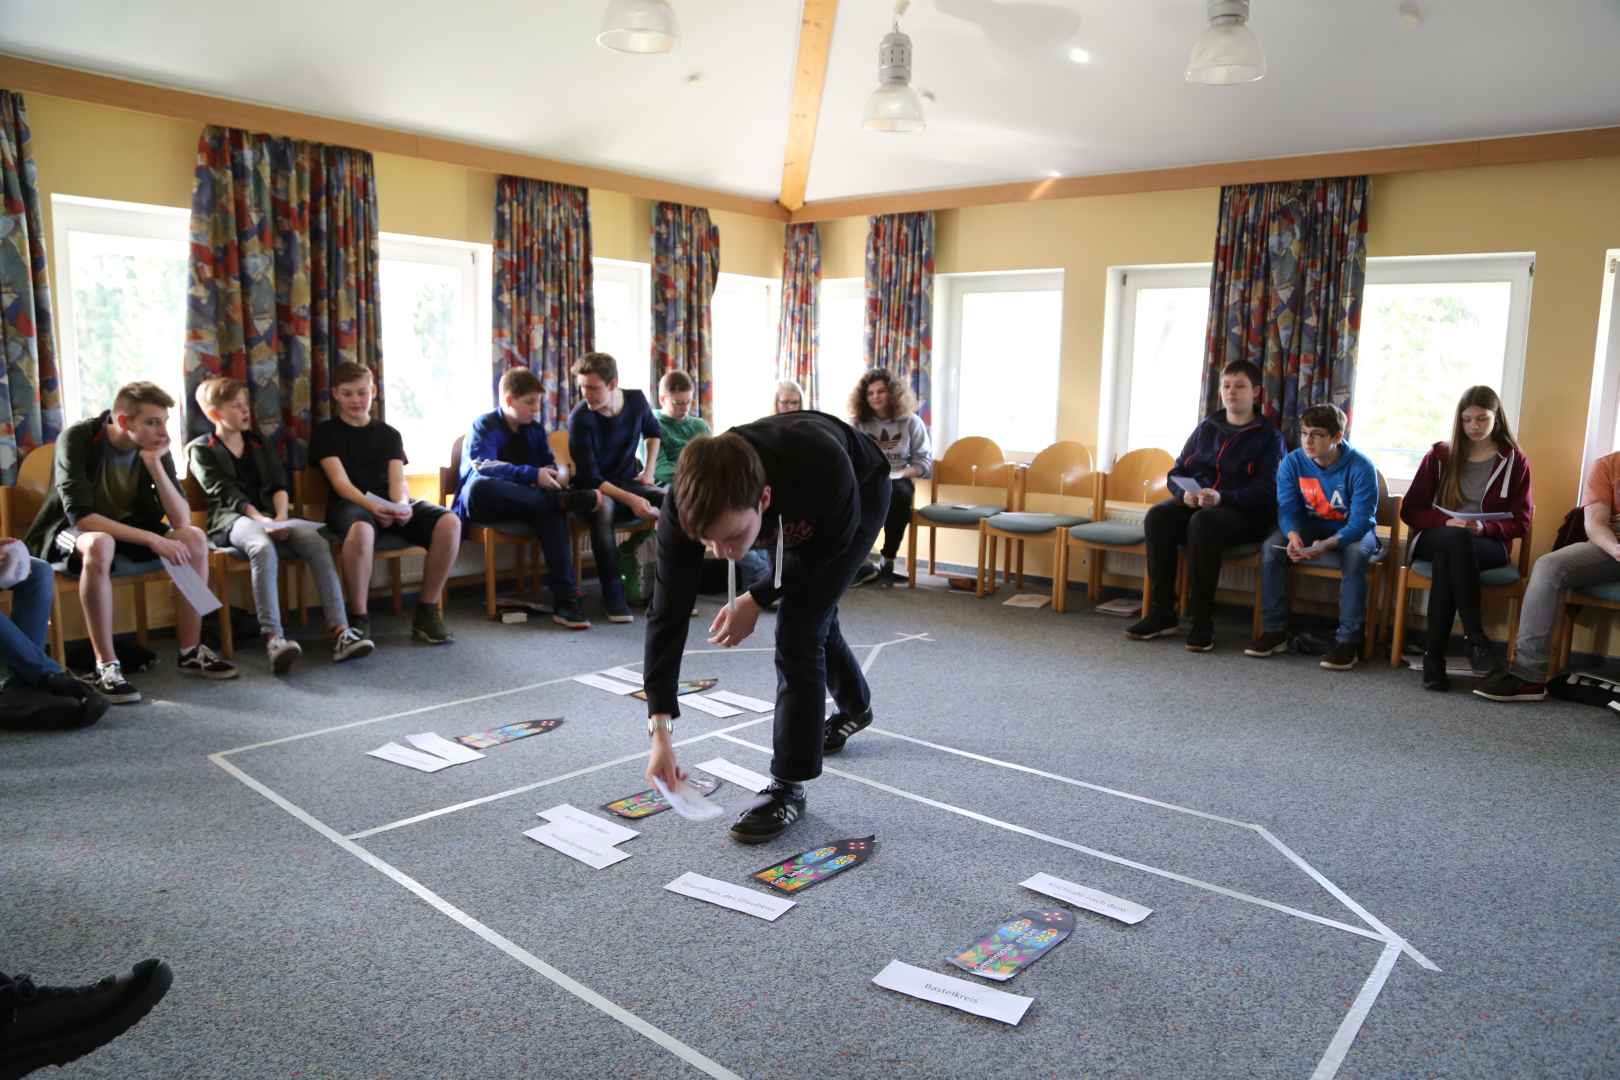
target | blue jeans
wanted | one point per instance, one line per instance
(22, 635)
(1352, 562)
(489, 500)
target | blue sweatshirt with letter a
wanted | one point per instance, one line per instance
(1344, 494)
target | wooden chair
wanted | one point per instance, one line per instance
(516, 534)
(20, 503)
(1380, 570)
(973, 462)
(579, 529)
(311, 494)
(222, 562)
(1138, 479)
(1065, 470)
(1504, 581)
(1239, 556)
(1603, 597)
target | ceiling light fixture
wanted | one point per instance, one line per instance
(893, 106)
(1078, 55)
(638, 26)
(1227, 51)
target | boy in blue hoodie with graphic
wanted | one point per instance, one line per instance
(1327, 507)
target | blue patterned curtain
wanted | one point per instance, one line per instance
(1285, 292)
(545, 309)
(796, 341)
(900, 300)
(30, 396)
(685, 270)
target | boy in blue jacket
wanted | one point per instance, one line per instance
(1327, 507)
(508, 473)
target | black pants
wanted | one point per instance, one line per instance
(604, 548)
(901, 495)
(1206, 533)
(812, 657)
(1458, 557)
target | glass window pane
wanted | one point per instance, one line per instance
(619, 320)
(744, 352)
(1009, 367)
(1167, 353)
(427, 344)
(841, 352)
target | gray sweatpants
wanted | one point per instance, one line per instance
(304, 543)
(1567, 568)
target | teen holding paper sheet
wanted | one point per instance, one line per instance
(1481, 471)
(815, 492)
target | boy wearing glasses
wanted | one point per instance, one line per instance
(1327, 506)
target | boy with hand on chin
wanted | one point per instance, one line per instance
(113, 486)
(364, 463)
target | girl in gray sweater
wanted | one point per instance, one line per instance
(884, 408)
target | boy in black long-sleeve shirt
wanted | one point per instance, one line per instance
(813, 491)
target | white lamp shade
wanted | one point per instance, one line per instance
(1227, 52)
(893, 107)
(638, 26)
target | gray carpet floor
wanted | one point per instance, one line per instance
(1483, 835)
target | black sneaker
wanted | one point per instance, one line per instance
(867, 572)
(109, 682)
(361, 624)
(1506, 686)
(1200, 639)
(565, 611)
(839, 728)
(886, 574)
(427, 624)
(1434, 672)
(1482, 659)
(53, 1025)
(618, 609)
(1343, 656)
(1269, 643)
(351, 644)
(770, 815)
(204, 663)
(1153, 626)
(92, 705)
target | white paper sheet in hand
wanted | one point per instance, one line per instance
(606, 832)
(413, 759)
(713, 708)
(191, 586)
(726, 895)
(1182, 483)
(1463, 515)
(612, 686)
(957, 993)
(441, 747)
(687, 801)
(622, 673)
(744, 778)
(742, 701)
(576, 845)
(1091, 899)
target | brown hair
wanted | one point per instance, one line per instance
(131, 396)
(520, 382)
(218, 392)
(600, 364)
(716, 474)
(900, 397)
(675, 382)
(1247, 368)
(1330, 418)
(349, 372)
(1449, 492)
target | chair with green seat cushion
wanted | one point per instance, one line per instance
(1135, 483)
(940, 514)
(974, 463)
(1604, 596)
(1064, 472)
(1239, 557)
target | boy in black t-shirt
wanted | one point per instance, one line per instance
(364, 463)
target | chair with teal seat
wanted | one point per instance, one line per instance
(1601, 597)
(1064, 471)
(1138, 479)
(1381, 575)
(975, 463)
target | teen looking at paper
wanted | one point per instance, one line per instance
(1481, 470)
(1233, 456)
(814, 491)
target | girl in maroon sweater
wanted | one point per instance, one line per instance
(1482, 470)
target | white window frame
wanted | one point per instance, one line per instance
(949, 292)
(772, 299)
(1602, 432)
(638, 276)
(829, 398)
(1125, 283)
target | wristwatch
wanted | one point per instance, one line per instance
(654, 727)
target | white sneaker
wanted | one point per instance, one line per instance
(283, 654)
(350, 645)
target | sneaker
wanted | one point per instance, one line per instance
(618, 609)
(427, 624)
(1153, 626)
(109, 682)
(1269, 643)
(1200, 639)
(205, 663)
(867, 572)
(361, 624)
(53, 1025)
(839, 728)
(92, 705)
(351, 644)
(1482, 658)
(779, 806)
(1434, 672)
(1343, 656)
(565, 611)
(886, 574)
(1506, 686)
(283, 654)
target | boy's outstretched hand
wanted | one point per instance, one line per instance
(735, 622)
(661, 765)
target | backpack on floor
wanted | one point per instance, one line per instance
(1573, 529)
(26, 708)
(1586, 689)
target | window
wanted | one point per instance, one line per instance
(841, 343)
(743, 316)
(121, 273)
(1602, 431)
(1000, 339)
(1159, 321)
(623, 294)
(437, 359)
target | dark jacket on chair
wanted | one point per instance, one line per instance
(73, 488)
(1240, 463)
(217, 475)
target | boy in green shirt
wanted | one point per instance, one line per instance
(675, 418)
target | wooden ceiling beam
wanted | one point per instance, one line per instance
(809, 81)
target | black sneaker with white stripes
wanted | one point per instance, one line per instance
(204, 663)
(778, 806)
(840, 726)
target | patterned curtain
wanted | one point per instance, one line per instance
(801, 284)
(685, 269)
(1285, 292)
(30, 397)
(900, 299)
(545, 311)
(284, 277)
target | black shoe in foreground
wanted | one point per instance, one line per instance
(770, 815)
(565, 611)
(1200, 639)
(1506, 686)
(1343, 656)
(840, 726)
(1269, 643)
(1434, 672)
(1482, 659)
(53, 1025)
(867, 572)
(1153, 626)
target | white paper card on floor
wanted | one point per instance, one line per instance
(727, 895)
(1027, 600)
(576, 844)
(708, 705)
(606, 832)
(742, 701)
(744, 778)
(957, 993)
(1102, 903)
(688, 801)
(622, 673)
(413, 759)
(612, 686)
(1126, 606)
(441, 747)
(192, 587)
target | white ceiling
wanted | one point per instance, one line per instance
(526, 75)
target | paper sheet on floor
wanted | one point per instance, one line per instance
(612, 686)
(439, 746)
(742, 701)
(1027, 599)
(687, 801)
(708, 705)
(576, 844)
(957, 993)
(1102, 903)
(192, 587)
(727, 895)
(623, 674)
(744, 778)
(1015, 943)
(606, 832)
(413, 759)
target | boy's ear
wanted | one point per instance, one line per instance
(765, 499)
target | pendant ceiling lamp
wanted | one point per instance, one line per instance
(1227, 52)
(894, 105)
(638, 26)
